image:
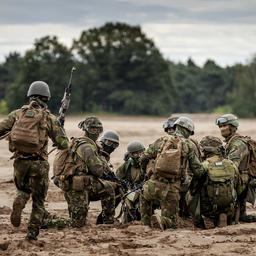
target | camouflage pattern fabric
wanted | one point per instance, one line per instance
(171, 187)
(31, 178)
(167, 194)
(54, 131)
(132, 173)
(31, 173)
(207, 207)
(97, 189)
(238, 152)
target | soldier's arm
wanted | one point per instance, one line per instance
(237, 151)
(7, 124)
(120, 172)
(57, 133)
(150, 153)
(89, 154)
(194, 164)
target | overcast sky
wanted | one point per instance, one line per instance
(222, 30)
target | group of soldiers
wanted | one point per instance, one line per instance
(175, 174)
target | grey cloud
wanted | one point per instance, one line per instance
(98, 12)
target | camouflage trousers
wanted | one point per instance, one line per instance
(78, 205)
(164, 193)
(31, 178)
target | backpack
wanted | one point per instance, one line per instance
(220, 183)
(252, 157)
(67, 161)
(29, 133)
(168, 161)
(251, 164)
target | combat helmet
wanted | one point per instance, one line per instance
(89, 125)
(135, 146)
(39, 88)
(169, 123)
(185, 122)
(227, 119)
(110, 135)
(211, 144)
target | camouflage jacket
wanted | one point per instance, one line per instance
(237, 151)
(54, 131)
(190, 157)
(88, 152)
(130, 172)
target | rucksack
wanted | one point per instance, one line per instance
(220, 183)
(169, 159)
(29, 132)
(67, 161)
(251, 164)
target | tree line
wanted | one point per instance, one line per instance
(120, 70)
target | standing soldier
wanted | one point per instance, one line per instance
(172, 154)
(237, 150)
(133, 175)
(29, 127)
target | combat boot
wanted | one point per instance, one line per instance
(18, 206)
(223, 220)
(32, 235)
(155, 222)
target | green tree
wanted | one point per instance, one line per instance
(123, 71)
(49, 61)
(243, 96)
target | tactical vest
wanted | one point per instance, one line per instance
(169, 160)
(29, 133)
(220, 183)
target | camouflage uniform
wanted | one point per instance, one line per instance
(206, 206)
(237, 151)
(31, 172)
(133, 175)
(166, 191)
(85, 184)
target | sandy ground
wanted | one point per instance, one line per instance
(133, 239)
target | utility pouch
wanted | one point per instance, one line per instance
(78, 183)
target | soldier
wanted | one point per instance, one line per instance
(237, 150)
(109, 143)
(169, 128)
(80, 178)
(215, 194)
(131, 173)
(172, 153)
(29, 127)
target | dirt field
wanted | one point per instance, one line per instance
(133, 239)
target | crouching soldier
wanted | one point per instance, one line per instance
(78, 173)
(172, 154)
(132, 174)
(215, 194)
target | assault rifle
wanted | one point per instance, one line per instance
(109, 175)
(66, 99)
